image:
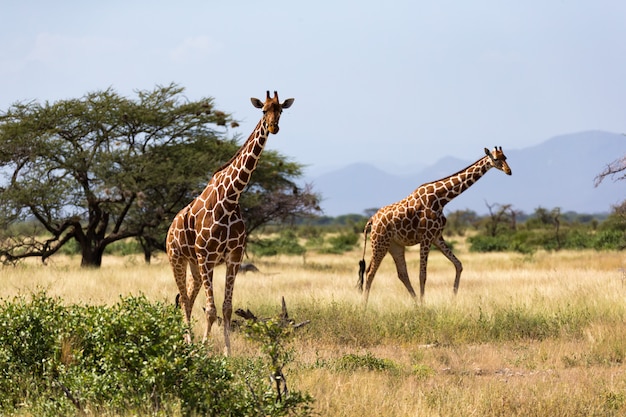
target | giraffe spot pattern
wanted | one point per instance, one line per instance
(211, 231)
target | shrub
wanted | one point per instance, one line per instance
(609, 240)
(341, 243)
(353, 362)
(480, 243)
(274, 336)
(286, 243)
(129, 358)
(577, 239)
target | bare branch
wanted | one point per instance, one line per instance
(611, 170)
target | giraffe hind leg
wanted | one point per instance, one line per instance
(179, 267)
(377, 256)
(193, 287)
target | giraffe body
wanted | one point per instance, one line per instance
(210, 231)
(419, 219)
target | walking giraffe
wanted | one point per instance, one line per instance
(210, 230)
(419, 219)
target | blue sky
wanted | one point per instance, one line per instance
(397, 83)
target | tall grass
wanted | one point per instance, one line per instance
(537, 334)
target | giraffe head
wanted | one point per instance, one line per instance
(272, 108)
(498, 159)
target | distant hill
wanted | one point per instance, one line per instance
(557, 173)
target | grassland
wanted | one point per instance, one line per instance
(526, 335)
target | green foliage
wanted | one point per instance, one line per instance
(577, 239)
(353, 362)
(130, 358)
(422, 372)
(460, 221)
(484, 243)
(275, 335)
(286, 243)
(609, 239)
(341, 243)
(355, 222)
(549, 230)
(124, 247)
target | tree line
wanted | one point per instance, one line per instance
(92, 172)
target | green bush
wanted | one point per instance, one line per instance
(341, 243)
(528, 241)
(353, 362)
(609, 240)
(286, 243)
(577, 239)
(481, 243)
(70, 248)
(126, 359)
(124, 247)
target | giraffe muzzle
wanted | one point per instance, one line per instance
(273, 128)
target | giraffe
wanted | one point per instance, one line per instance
(210, 231)
(419, 219)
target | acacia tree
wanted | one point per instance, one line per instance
(103, 168)
(615, 169)
(505, 214)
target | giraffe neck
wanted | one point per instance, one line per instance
(450, 187)
(236, 173)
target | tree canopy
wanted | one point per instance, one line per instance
(103, 168)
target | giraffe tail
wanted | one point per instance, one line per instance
(362, 261)
(361, 274)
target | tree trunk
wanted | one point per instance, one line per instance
(147, 249)
(91, 257)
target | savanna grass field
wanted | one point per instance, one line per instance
(527, 335)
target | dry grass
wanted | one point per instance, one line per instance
(569, 375)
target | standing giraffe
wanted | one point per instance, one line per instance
(419, 219)
(210, 230)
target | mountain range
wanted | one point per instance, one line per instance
(559, 172)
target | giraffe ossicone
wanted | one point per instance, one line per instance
(419, 219)
(210, 231)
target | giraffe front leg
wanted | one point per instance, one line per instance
(397, 253)
(210, 310)
(227, 307)
(424, 251)
(445, 249)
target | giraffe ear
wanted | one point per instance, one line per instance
(256, 103)
(487, 152)
(287, 103)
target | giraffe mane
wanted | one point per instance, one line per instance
(456, 173)
(239, 151)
